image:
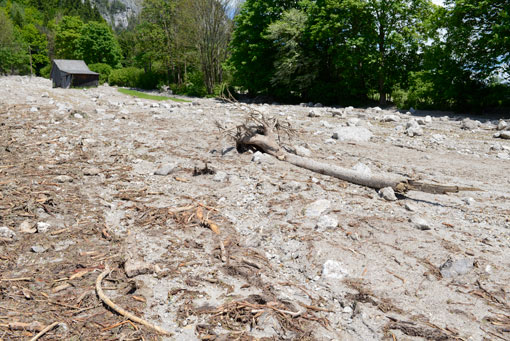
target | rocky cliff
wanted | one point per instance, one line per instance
(118, 12)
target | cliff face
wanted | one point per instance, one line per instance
(118, 12)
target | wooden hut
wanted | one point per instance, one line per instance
(67, 73)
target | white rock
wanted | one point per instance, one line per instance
(27, 227)
(314, 113)
(505, 135)
(63, 178)
(333, 270)
(387, 193)
(327, 222)
(469, 200)
(420, 223)
(469, 124)
(316, 208)
(7, 233)
(302, 151)
(79, 116)
(502, 125)
(326, 124)
(220, 176)
(43, 227)
(166, 169)
(34, 109)
(410, 207)
(390, 118)
(352, 122)
(357, 134)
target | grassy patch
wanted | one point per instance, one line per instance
(147, 96)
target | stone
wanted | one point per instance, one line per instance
(259, 157)
(316, 208)
(63, 179)
(327, 222)
(412, 111)
(413, 128)
(220, 176)
(166, 169)
(390, 118)
(387, 193)
(456, 268)
(333, 270)
(318, 105)
(292, 186)
(136, 267)
(410, 207)
(357, 134)
(27, 227)
(302, 151)
(420, 223)
(469, 201)
(34, 109)
(352, 122)
(314, 113)
(91, 171)
(38, 249)
(77, 115)
(7, 233)
(469, 124)
(43, 227)
(505, 135)
(502, 125)
(326, 124)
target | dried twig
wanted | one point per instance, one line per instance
(45, 330)
(121, 311)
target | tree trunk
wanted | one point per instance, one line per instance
(264, 138)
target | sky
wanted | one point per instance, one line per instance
(438, 2)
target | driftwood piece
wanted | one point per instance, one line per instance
(258, 133)
(120, 310)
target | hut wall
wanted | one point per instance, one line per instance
(85, 80)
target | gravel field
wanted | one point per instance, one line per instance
(211, 244)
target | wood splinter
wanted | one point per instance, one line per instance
(120, 310)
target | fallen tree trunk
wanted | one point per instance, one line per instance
(261, 136)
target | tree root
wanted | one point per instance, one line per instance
(121, 311)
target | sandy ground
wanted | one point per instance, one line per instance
(258, 249)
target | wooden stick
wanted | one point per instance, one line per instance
(45, 330)
(121, 311)
(28, 279)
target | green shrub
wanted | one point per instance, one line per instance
(104, 71)
(399, 97)
(128, 77)
(46, 71)
(193, 85)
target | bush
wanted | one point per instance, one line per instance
(193, 85)
(46, 71)
(128, 77)
(104, 71)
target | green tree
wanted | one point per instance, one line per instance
(97, 44)
(295, 68)
(252, 55)
(37, 45)
(67, 38)
(13, 55)
(212, 29)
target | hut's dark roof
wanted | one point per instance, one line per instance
(73, 66)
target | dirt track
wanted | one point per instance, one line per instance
(78, 189)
